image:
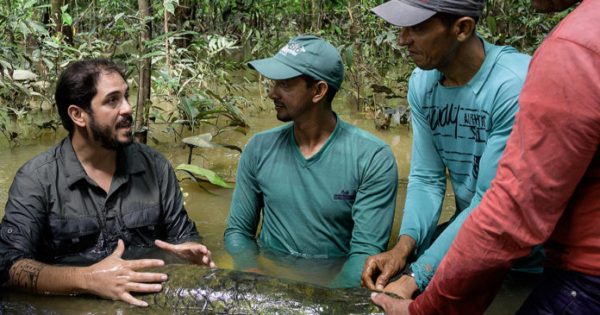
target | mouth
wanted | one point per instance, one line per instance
(125, 123)
(279, 106)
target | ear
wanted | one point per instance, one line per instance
(321, 89)
(464, 28)
(77, 115)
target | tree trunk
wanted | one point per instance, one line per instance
(166, 26)
(141, 118)
(55, 15)
(184, 12)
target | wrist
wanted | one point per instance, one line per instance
(408, 272)
(405, 246)
(81, 279)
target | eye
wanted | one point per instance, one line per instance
(113, 100)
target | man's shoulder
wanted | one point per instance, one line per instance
(367, 140)
(43, 160)
(581, 26)
(508, 63)
(269, 136)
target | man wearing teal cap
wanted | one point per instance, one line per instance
(325, 188)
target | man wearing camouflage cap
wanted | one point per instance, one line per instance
(325, 188)
(463, 98)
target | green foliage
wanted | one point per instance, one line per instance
(200, 48)
(197, 173)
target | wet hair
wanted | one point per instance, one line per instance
(331, 91)
(77, 86)
(448, 19)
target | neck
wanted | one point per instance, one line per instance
(464, 64)
(99, 163)
(312, 133)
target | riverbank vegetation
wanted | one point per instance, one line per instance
(186, 58)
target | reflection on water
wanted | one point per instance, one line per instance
(208, 206)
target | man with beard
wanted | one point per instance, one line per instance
(325, 188)
(72, 209)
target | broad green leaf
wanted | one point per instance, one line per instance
(202, 141)
(203, 173)
(170, 7)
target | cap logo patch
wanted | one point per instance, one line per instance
(292, 48)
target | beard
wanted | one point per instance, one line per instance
(282, 115)
(107, 138)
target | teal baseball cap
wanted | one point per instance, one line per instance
(305, 54)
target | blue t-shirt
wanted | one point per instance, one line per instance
(461, 130)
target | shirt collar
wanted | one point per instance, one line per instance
(128, 161)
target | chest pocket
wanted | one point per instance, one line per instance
(143, 225)
(73, 236)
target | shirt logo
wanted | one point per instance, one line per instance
(292, 48)
(345, 195)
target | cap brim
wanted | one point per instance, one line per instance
(402, 14)
(273, 69)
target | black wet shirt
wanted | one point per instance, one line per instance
(56, 214)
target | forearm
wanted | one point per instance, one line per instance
(349, 275)
(404, 247)
(242, 249)
(36, 277)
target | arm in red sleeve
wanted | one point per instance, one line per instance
(556, 135)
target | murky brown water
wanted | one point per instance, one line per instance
(209, 206)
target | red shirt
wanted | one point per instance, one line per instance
(547, 187)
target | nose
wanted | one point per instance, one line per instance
(272, 92)
(404, 37)
(126, 107)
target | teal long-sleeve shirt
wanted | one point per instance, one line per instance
(462, 130)
(338, 203)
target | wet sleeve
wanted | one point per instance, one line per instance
(24, 217)
(504, 110)
(426, 180)
(179, 226)
(555, 138)
(373, 215)
(244, 214)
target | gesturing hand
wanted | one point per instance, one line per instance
(381, 268)
(190, 251)
(115, 278)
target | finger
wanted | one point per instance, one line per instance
(148, 277)
(378, 298)
(164, 245)
(143, 287)
(144, 263)
(382, 300)
(131, 300)
(367, 277)
(384, 277)
(120, 249)
(212, 264)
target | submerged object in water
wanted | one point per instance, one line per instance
(200, 290)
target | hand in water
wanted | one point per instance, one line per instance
(190, 251)
(115, 278)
